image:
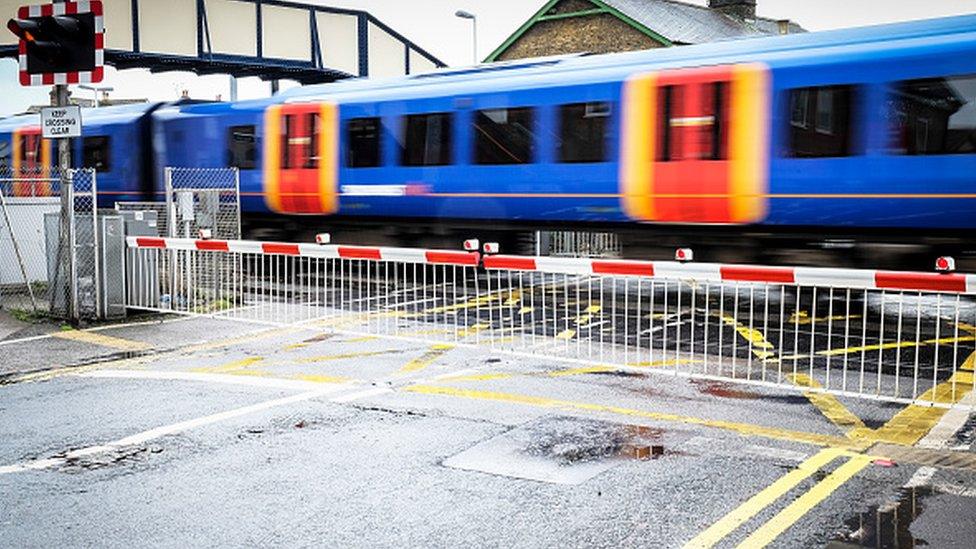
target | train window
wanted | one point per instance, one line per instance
(287, 130)
(692, 122)
(241, 147)
(503, 136)
(426, 140)
(821, 122)
(583, 129)
(933, 116)
(313, 125)
(799, 101)
(5, 154)
(95, 153)
(363, 148)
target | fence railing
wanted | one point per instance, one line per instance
(45, 269)
(900, 336)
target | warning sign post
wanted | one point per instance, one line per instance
(59, 122)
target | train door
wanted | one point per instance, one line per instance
(692, 153)
(31, 163)
(301, 145)
(694, 145)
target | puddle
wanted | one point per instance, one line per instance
(618, 373)
(561, 450)
(886, 526)
(12, 377)
(729, 390)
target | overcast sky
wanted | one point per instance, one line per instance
(432, 25)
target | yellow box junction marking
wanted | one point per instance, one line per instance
(915, 421)
(829, 406)
(425, 360)
(761, 348)
(102, 340)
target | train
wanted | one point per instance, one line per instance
(847, 147)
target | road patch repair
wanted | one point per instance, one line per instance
(419, 423)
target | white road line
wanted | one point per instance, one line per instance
(264, 382)
(145, 436)
(941, 435)
(361, 394)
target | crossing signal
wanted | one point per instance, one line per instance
(60, 43)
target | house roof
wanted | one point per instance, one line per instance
(690, 24)
(666, 21)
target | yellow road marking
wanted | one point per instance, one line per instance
(579, 371)
(803, 504)
(746, 429)
(881, 346)
(471, 330)
(803, 317)
(475, 302)
(659, 363)
(829, 406)
(425, 360)
(360, 339)
(320, 379)
(479, 377)
(761, 348)
(102, 340)
(345, 356)
(754, 505)
(232, 366)
(913, 422)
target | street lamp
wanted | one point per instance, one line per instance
(474, 27)
(97, 90)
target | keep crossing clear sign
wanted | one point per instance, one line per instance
(61, 122)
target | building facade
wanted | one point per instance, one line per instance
(605, 26)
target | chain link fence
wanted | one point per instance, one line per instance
(203, 199)
(49, 261)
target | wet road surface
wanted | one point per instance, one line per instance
(205, 432)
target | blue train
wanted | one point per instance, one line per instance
(767, 149)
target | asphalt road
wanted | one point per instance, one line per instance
(208, 432)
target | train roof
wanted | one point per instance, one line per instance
(742, 49)
(117, 114)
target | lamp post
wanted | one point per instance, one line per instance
(474, 34)
(97, 90)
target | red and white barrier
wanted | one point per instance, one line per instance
(713, 272)
(403, 255)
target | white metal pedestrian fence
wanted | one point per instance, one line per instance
(899, 336)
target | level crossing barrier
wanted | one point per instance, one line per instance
(896, 336)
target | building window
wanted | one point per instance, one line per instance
(503, 136)
(95, 153)
(933, 116)
(363, 147)
(425, 140)
(821, 122)
(583, 129)
(241, 147)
